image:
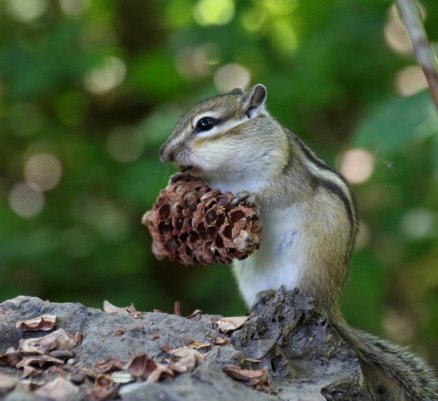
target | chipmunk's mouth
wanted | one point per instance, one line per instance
(185, 169)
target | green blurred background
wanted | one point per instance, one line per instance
(89, 89)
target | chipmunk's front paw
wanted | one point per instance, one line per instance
(246, 198)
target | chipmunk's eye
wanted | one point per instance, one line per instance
(205, 124)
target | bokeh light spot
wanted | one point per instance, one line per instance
(395, 32)
(357, 165)
(284, 37)
(25, 201)
(214, 12)
(410, 80)
(107, 77)
(230, 76)
(74, 8)
(43, 171)
(26, 10)
(419, 223)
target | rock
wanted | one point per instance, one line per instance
(303, 354)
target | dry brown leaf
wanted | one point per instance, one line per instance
(108, 365)
(160, 372)
(246, 375)
(119, 332)
(97, 393)
(141, 366)
(198, 345)
(177, 308)
(39, 361)
(188, 358)
(59, 340)
(78, 337)
(121, 377)
(7, 383)
(195, 313)
(221, 341)
(40, 323)
(104, 380)
(227, 324)
(11, 357)
(58, 389)
(108, 307)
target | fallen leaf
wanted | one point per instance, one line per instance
(141, 366)
(255, 378)
(253, 360)
(177, 308)
(107, 365)
(11, 357)
(39, 361)
(221, 341)
(59, 340)
(97, 393)
(61, 354)
(58, 389)
(198, 345)
(160, 372)
(188, 358)
(120, 377)
(7, 383)
(78, 337)
(40, 323)
(118, 332)
(104, 380)
(108, 307)
(195, 313)
(227, 324)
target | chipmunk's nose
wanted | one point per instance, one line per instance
(166, 155)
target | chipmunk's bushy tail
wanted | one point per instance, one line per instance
(392, 371)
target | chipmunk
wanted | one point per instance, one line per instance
(309, 221)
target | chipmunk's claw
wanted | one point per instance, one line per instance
(244, 197)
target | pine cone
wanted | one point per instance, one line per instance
(193, 224)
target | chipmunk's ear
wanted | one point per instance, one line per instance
(254, 101)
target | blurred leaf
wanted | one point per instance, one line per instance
(398, 123)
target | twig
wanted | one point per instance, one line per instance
(423, 51)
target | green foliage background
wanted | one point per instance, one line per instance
(331, 76)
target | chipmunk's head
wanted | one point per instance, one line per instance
(229, 134)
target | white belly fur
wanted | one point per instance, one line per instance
(279, 261)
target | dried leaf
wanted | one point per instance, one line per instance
(120, 377)
(177, 308)
(141, 366)
(39, 361)
(188, 358)
(118, 332)
(40, 323)
(78, 337)
(58, 389)
(59, 340)
(195, 313)
(227, 324)
(108, 307)
(107, 365)
(221, 341)
(160, 372)
(104, 380)
(97, 393)
(198, 345)
(7, 383)
(11, 357)
(252, 377)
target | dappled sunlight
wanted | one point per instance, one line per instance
(357, 165)
(26, 10)
(107, 77)
(410, 80)
(231, 76)
(214, 12)
(43, 171)
(25, 201)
